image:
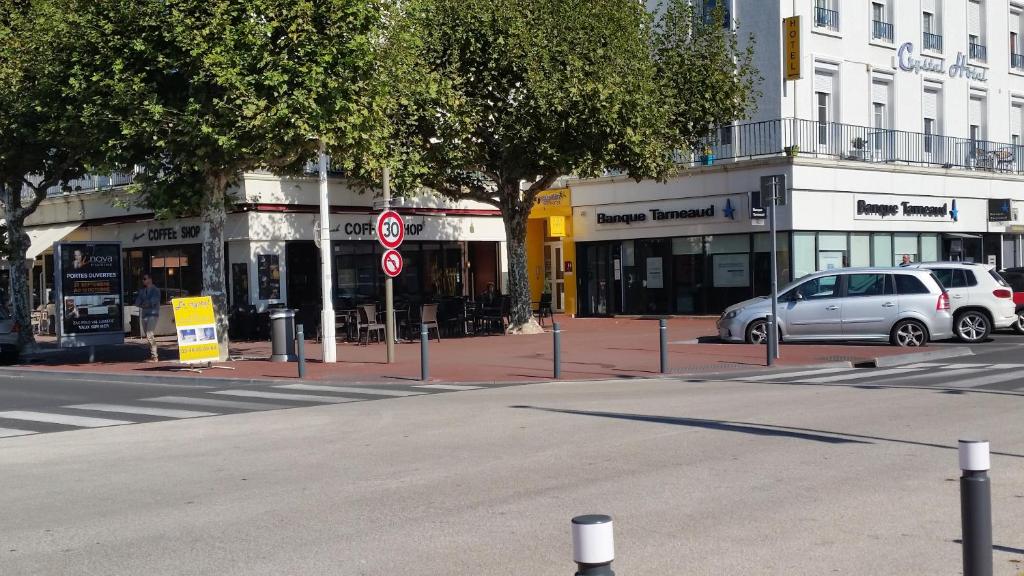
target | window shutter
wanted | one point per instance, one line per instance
(880, 92)
(1015, 23)
(974, 18)
(930, 104)
(1017, 119)
(928, 6)
(975, 113)
(822, 82)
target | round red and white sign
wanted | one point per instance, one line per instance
(391, 263)
(390, 229)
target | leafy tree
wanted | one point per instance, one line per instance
(508, 96)
(211, 89)
(49, 122)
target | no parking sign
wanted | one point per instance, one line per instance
(391, 263)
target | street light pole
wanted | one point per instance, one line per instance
(330, 351)
(389, 290)
(773, 334)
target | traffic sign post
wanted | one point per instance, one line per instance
(391, 263)
(390, 229)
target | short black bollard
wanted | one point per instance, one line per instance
(300, 345)
(663, 331)
(769, 342)
(976, 507)
(556, 332)
(424, 353)
(593, 545)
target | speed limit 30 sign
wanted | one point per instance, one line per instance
(391, 263)
(390, 229)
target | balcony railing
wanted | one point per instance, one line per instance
(978, 52)
(825, 18)
(1017, 61)
(932, 42)
(859, 143)
(881, 31)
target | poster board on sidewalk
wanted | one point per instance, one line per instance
(89, 310)
(196, 328)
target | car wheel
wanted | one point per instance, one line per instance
(972, 326)
(909, 333)
(1018, 326)
(757, 332)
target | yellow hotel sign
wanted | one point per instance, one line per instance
(196, 328)
(791, 46)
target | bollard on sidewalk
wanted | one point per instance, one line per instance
(556, 332)
(424, 353)
(663, 331)
(593, 545)
(300, 345)
(770, 342)
(976, 507)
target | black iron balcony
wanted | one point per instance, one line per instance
(932, 42)
(881, 31)
(1017, 61)
(978, 52)
(825, 18)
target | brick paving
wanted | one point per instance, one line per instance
(593, 348)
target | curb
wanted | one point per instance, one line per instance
(915, 357)
(762, 369)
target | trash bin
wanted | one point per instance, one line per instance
(282, 335)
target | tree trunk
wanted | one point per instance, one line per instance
(214, 216)
(515, 212)
(21, 299)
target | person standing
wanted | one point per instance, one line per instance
(148, 301)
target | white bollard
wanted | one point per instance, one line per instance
(593, 545)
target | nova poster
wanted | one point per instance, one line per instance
(89, 291)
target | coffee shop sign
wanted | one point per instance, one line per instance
(910, 63)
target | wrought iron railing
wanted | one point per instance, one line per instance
(825, 18)
(932, 42)
(794, 136)
(881, 31)
(978, 52)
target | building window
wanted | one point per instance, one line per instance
(929, 129)
(826, 15)
(931, 38)
(881, 27)
(1016, 56)
(711, 15)
(823, 116)
(976, 31)
(930, 107)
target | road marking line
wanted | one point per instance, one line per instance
(937, 375)
(962, 366)
(447, 387)
(279, 396)
(144, 410)
(352, 390)
(984, 380)
(8, 432)
(80, 421)
(784, 375)
(924, 365)
(863, 374)
(215, 403)
(1006, 366)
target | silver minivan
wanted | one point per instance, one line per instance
(904, 306)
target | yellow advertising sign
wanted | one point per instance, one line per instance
(554, 202)
(196, 328)
(791, 46)
(556, 226)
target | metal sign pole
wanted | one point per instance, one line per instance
(773, 335)
(389, 290)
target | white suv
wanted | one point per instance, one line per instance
(980, 298)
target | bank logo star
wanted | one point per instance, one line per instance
(954, 213)
(729, 211)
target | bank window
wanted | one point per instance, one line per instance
(881, 249)
(803, 254)
(860, 249)
(868, 285)
(929, 247)
(905, 245)
(832, 250)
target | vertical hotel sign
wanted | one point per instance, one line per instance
(791, 44)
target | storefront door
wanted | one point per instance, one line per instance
(554, 274)
(599, 273)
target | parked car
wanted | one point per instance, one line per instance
(1015, 278)
(981, 299)
(906, 307)
(8, 338)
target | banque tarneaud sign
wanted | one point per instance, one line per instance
(910, 63)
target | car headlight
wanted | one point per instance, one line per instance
(730, 315)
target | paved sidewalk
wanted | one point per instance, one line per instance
(591, 349)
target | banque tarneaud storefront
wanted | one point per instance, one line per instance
(679, 256)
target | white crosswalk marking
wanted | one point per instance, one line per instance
(1006, 366)
(80, 421)
(350, 389)
(281, 396)
(448, 387)
(784, 375)
(144, 410)
(935, 375)
(985, 380)
(963, 366)
(861, 374)
(9, 432)
(923, 365)
(215, 403)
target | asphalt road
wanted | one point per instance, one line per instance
(702, 477)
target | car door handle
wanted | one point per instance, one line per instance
(957, 296)
(888, 305)
(832, 307)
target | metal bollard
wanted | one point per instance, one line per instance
(424, 353)
(663, 331)
(976, 507)
(593, 545)
(769, 343)
(556, 332)
(300, 345)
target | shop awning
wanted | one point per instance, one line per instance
(43, 237)
(960, 235)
